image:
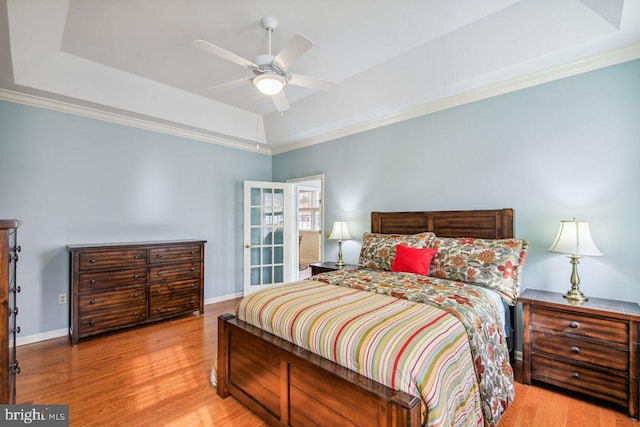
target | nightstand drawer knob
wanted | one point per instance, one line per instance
(575, 375)
(575, 350)
(574, 325)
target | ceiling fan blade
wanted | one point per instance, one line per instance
(280, 101)
(312, 82)
(218, 51)
(231, 84)
(292, 50)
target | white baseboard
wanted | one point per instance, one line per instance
(223, 298)
(30, 339)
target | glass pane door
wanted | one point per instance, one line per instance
(267, 234)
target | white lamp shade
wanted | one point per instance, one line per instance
(574, 237)
(269, 84)
(340, 231)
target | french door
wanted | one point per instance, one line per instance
(268, 235)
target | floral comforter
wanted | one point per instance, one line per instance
(470, 304)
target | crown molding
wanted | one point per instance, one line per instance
(121, 119)
(591, 63)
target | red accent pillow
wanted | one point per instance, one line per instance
(413, 260)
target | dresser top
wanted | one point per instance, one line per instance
(73, 248)
(9, 223)
(605, 307)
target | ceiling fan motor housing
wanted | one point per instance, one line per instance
(269, 23)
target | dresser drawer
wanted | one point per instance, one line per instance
(175, 253)
(594, 383)
(174, 287)
(132, 297)
(102, 311)
(602, 354)
(110, 259)
(169, 301)
(174, 272)
(91, 281)
(576, 324)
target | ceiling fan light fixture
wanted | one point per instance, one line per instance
(268, 83)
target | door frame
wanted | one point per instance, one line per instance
(294, 224)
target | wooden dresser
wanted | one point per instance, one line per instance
(9, 289)
(589, 348)
(114, 286)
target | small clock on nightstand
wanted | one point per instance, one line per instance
(323, 267)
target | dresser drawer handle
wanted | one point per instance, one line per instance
(137, 276)
(135, 295)
(193, 252)
(136, 314)
(574, 325)
(192, 302)
(136, 257)
(92, 302)
(193, 269)
(159, 255)
(159, 273)
(91, 323)
(92, 281)
(193, 285)
(159, 309)
(575, 350)
(93, 261)
(575, 375)
(158, 291)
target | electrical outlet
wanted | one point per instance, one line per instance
(62, 298)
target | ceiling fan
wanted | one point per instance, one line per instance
(270, 72)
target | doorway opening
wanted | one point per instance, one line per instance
(309, 221)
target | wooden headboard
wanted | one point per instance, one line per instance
(487, 224)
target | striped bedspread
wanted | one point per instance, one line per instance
(405, 345)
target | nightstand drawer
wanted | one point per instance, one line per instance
(576, 324)
(598, 384)
(605, 355)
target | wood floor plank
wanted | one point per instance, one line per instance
(158, 375)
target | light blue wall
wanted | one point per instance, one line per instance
(74, 180)
(555, 151)
(563, 149)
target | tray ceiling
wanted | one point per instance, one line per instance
(395, 59)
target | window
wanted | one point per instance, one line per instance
(309, 209)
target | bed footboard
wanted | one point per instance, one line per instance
(287, 385)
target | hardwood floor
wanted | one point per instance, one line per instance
(158, 375)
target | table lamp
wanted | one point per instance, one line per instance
(574, 238)
(340, 232)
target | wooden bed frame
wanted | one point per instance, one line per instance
(287, 385)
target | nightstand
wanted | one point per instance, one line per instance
(323, 267)
(590, 347)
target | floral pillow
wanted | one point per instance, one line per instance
(493, 263)
(379, 250)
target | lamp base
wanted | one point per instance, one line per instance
(574, 295)
(340, 263)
